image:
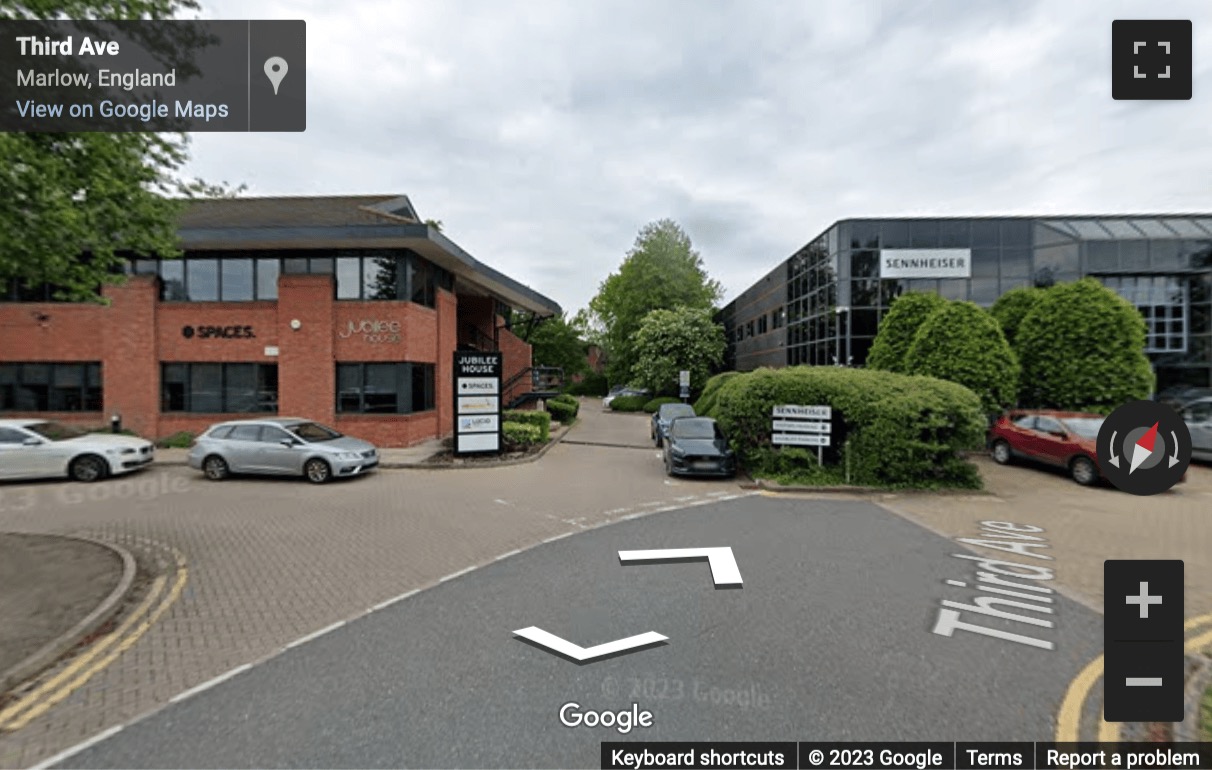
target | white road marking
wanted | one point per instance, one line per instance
(454, 575)
(79, 747)
(224, 677)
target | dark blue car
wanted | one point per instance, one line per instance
(696, 446)
(665, 415)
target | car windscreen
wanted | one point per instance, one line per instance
(54, 431)
(673, 411)
(694, 429)
(1086, 427)
(313, 431)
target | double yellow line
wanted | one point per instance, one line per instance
(99, 656)
(1068, 719)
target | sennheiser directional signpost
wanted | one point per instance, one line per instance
(797, 425)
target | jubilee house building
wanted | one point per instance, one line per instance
(344, 310)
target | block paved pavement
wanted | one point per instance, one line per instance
(272, 560)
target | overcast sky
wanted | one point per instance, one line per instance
(544, 135)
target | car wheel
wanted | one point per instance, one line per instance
(1001, 452)
(1084, 471)
(317, 471)
(215, 468)
(88, 468)
(658, 442)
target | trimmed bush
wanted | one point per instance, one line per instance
(706, 402)
(1083, 348)
(892, 430)
(561, 411)
(534, 417)
(628, 403)
(564, 398)
(962, 343)
(593, 384)
(522, 434)
(180, 440)
(1012, 307)
(899, 328)
(656, 403)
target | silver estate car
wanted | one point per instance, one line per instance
(281, 446)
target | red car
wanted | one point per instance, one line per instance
(1064, 439)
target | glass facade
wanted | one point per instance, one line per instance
(385, 388)
(50, 387)
(832, 296)
(359, 274)
(212, 388)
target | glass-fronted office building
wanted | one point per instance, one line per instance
(824, 304)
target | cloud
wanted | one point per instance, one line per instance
(545, 134)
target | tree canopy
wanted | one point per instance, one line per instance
(1082, 348)
(899, 328)
(555, 342)
(661, 272)
(73, 205)
(1012, 307)
(670, 341)
(962, 343)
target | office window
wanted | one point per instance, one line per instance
(219, 388)
(268, 271)
(349, 278)
(236, 280)
(50, 387)
(395, 388)
(172, 280)
(1163, 302)
(761, 324)
(202, 279)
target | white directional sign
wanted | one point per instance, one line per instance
(471, 386)
(804, 412)
(801, 439)
(582, 654)
(723, 564)
(797, 426)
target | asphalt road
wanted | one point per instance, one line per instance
(830, 639)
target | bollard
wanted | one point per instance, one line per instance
(115, 423)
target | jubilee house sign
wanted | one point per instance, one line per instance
(372, 330)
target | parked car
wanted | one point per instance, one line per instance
(697, 446)
(1198, 416)
(282, 446)
(39, 449)
(622, 390)
(658, 428)
(1063, 439)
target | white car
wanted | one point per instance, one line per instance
(1198, 416)
(39, 449)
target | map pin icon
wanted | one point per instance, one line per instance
(275, 70)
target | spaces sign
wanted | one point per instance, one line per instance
(477, 398)
(926, 263)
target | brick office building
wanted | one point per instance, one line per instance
(345, 310)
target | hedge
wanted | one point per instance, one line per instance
(523, 434)
(706, 403)
(656, 403)
(538, 419)
(561, 411)
(179, 440)
(899, 430)
(961, 342)
(628, 403)
(1012, 307)
(593, 384)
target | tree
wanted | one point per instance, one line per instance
(661, 272)
(435, 224)
(1082, 347)
(555, 342)
(670, 341)
(899, 328)
(962, 343)
(1013, 306)
(73, 206)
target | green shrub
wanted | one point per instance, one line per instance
(1082, 348)
(706, 403)
(564, 398)
(628, 403)
(593, 384)
(1012, 307)
(179, 440)
(962, 343)
(534, 417)
(655, 404)
(899, 430)
(899, 328)
(522, 434)
(561, 411)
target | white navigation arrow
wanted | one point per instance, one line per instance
(1174, 459)
(1114, 457)
(723, 564)
(582, 654)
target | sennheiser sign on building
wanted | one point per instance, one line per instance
(477, 397)
(926, 263)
